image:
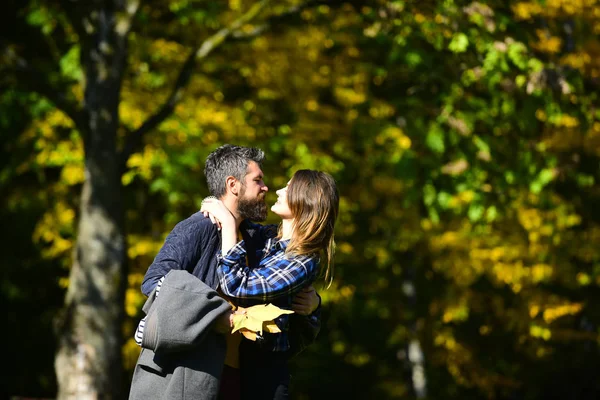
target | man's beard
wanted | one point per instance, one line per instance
(252, 209)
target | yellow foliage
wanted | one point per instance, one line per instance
(526, 10)
(50, 231)
(547, 43)
(541, 272)
(140, 246)
(387, 185)
(131, 352)
(395, 141)
(530, 219)
(133, 301)
(541, 332)
(349, 97)
(73, 174)
(130, 115)
(142, 164)
(337, 294)
(58, 118)
(63, 282)
(419, 18)
(170, 50)
(344, 248)
(583, 279)
(380, 109)
(461, 199)
(457, 312)
(567, 121)
(358, 359)
(577, 60)
(552, 313)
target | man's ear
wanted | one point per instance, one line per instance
(232, 185)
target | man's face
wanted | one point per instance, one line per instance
(251, 203)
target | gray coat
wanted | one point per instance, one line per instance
(182, 357)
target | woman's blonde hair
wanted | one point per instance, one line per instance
(314, 200)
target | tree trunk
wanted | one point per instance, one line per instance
(88, 361)
(414, 350)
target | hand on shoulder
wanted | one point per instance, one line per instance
(218, 213)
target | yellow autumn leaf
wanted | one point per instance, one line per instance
(248, 334)
(243, 321)
(266, 312)
(271, 327)
(255, 316)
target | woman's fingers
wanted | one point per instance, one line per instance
(215, 221)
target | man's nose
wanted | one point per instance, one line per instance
(265, 188)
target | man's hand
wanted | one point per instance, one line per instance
(306, 301)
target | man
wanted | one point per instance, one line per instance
(234, 176)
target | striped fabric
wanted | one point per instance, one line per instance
(139, 332)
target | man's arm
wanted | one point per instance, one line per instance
(306, 302)
(180, 251)
(305, 324)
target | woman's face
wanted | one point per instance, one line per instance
(281, 206)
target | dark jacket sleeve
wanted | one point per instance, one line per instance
(303, 331)
(182, 315)
(181, 250)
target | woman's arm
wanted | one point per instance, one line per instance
(275, 276)
(219, 214)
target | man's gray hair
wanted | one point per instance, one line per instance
(229, 160)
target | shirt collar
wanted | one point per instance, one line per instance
(275, 244)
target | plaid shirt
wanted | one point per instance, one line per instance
(276, 279)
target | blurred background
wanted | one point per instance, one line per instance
(464, 137)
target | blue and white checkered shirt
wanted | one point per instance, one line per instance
(276, 279)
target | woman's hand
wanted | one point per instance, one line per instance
(217, 212)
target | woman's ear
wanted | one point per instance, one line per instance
(232, 185)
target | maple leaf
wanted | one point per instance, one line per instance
(248, 334)
(271, 327)
(256, 318)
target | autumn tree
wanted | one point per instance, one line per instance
(464, 139)
(76, 54)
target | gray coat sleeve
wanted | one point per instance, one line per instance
(182, 315)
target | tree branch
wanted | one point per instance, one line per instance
(134, 139)
(278, 19)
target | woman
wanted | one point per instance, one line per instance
(290, 260)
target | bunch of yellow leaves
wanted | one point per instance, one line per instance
(255, 319)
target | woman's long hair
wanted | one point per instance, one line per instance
(314, 201)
